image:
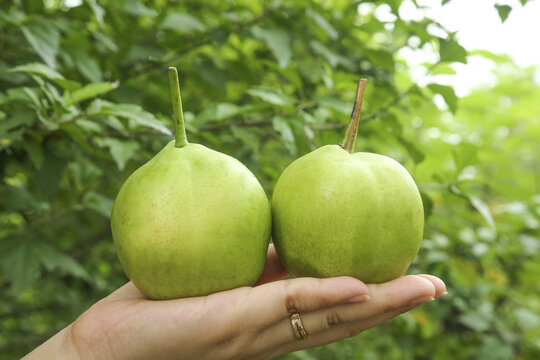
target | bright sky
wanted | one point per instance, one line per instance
(478, 26)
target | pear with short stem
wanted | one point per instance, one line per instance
(339, 212)
(191, 221)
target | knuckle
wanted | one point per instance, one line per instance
(225, 344)
(291, 298)
(388, 308)
(352, 332)
(229, 344)
(333, 318)
(304, 295)
(404, 310)
(385, 307)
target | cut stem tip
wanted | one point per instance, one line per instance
(179, 128)
(350, 133)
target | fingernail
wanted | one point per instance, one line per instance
(360, 298)
(442, 294)
(422, 300)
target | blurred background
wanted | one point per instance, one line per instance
(453, 94)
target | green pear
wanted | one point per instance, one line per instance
(335, 212)
(191, 221)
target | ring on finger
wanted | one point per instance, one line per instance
(299, 330)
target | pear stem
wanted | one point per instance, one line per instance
(179, 128)
(350, 133)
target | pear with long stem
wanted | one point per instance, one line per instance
(191, 221)
(336, 212)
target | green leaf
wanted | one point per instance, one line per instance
(128, 111)
(22, 260)
(181, 22)
(143, 52)
(84, 171)
(88, 92)
(20, 263)
(303, 135)
(248, 138)
(483, 209)
(283, 128)
(52, 259)
(138, 8)
(77, 134)
(121, 150)
(447, 92)
(381, 58)
(98, 11)
(451, 51)
(15, 198)
(336, 104)
(226, 110)
(495, 349)
(526, 318)
(322, 23)
(391, 122)
(38, 69)
(278, 41)
(477, 203)
(443, 69)
(268, 95)
(17, 119)
(34, 151)
(44, 38)
(32, 96)
(504, 11)
(98, 202)
(290, 74)
(333, 58)
(415, 153)
(105, 41)
(89, 126)
(49, 175)
(48, 73)
(427, 203)
(87, 66)
(8, 139)
(464, 155)
(480, 318)
(212, 74)
(498, 58)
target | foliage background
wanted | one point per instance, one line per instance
(84, 101)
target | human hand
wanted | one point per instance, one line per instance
(243, 323)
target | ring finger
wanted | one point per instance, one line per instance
(339, 332)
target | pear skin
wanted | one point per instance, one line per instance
(336, 213)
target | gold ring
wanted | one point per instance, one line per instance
(298, 328)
